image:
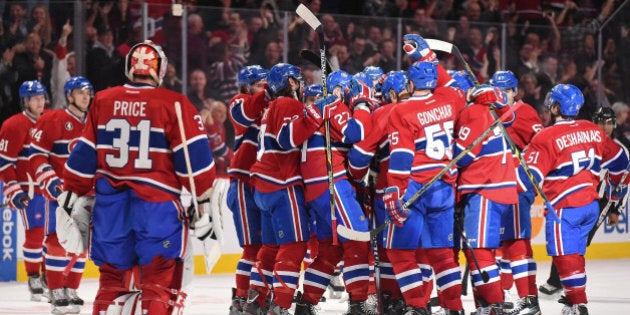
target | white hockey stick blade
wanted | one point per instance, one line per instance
(31, 187)
(212, 253)
(352, 234)
(308, 16)
(440, 45)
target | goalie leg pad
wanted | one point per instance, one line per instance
(113, 283)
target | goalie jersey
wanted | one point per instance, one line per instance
(132, 138)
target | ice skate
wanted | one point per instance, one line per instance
(410, 310)
(238, 303)
(526, 306)
(275, 309)
(59, 301)
(336, 286)
(510, 298)
(494, 309)
(305, 308)
(35, 287)
(74, 301)
(358, 308)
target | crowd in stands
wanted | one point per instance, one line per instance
(543, 42)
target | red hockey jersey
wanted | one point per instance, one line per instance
(54, 137)
(421, 133)
(15, 137)
(245, 112)
(569, 157)
(132, 138)
(284, 127)
(488, 169)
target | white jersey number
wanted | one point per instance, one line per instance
(122, 145)
(582, 160)
(439, 140)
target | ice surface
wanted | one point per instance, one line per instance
(608, 290)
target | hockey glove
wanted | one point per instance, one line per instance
(484, 94)
(14, 195)
(68, 231)
(313, 115)
(417, 48)
(394, 207)
(326, 105)
(49, 183)
(359, 96)
(203, 226)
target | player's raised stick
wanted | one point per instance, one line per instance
(316, 25)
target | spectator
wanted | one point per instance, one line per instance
(586, 54)
(340, 57)
(548, 75)
(9, 103)
(62, 68)
(359, 55)
(105, 66)
(527, 62)
(222, 72)
(15, 26)
(621, 131)
(622, 59)
(40, 23)
(33, 63)
(198, 87)
(197, 43)
(374, 38)
(423, 24)
(272, 56)
(577, 25)
(401, 9)
(215, 126)
(171, 81)
(531, 90)
(332, 31)
(387, 60)
(474, 51)
(266, 34)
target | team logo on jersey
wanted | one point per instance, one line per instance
(72, 144)
(69, 126)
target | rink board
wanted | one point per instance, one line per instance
(609, 243)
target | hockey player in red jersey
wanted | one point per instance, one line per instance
(346, 128)
(395, 89)
(420, 142)
(516, 226)
(54, 137)
(15, 137)
(141, 145)
(245, 112)
(569, 156)
(484, 196)
(285, 125)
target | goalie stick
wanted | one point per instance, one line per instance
(316, 25)
(447, 47)
(366, 236)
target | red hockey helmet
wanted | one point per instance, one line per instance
(147, 59)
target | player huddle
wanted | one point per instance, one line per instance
(442, 163)
(439, 163)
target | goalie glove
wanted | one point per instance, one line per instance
(203, 226)
(72, 221)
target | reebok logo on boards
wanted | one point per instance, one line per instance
(7, 231)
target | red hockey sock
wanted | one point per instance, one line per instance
(388, 279)
(490, 291)
(447, 277)
(520, 254)
(244, 269)
(355, 269)
(408, 276)
(286, 272)
(572, 276)
(32, 248)
(315, 281)
(265, 261)
(56, 261)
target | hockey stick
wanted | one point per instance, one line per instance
(316, 25)
(189, 171)
(449, 48)
(366, 236)
(484, 274)
(70, 265)
(314, 59)
(452, 49)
